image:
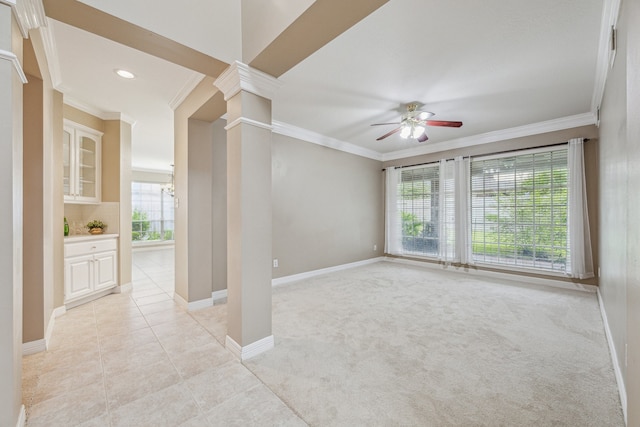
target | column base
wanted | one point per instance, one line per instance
(251, 350)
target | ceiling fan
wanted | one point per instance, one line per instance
(413, 122)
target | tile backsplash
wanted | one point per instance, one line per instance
(79, 215)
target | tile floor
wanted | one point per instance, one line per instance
(138, 359)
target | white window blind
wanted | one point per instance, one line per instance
(519, 206)
(419, 206)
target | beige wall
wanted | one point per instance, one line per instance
(620, 203)
(33, 316)
(200, 214)
(549, 138)
(219, 206)
(116, 187)
(328, 207)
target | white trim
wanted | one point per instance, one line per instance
(470, 270)
(119, 116)
(309, 274)
(33, 347)
(30, 15)
(218, 295)
(11, 3)
(614, 358)
(22, 418)
(246, 121)
(500, 135)
(610, 12)
(239, 76)
(185, 90)
(193, 305)
(251, 350)
(104, 115)
(57, 312)
(11, 57)
(319, 139)
(88, 298)
(67, 122)
(51, 53)
(123, 288)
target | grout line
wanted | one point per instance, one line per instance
(104, 375)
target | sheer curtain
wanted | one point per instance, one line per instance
(392, 226)
(463, 212)
(454, 237)
(581, 261)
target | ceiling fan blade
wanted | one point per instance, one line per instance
(382, 124)
(389, 133)
(442, 123)
(423, 137)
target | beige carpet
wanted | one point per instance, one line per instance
(388, 344)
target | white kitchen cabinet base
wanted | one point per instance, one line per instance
(90, 268)
(93, 296)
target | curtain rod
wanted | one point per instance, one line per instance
(492, 154)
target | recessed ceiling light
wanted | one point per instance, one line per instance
(125, 74)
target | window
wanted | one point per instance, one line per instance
(152, 213)
(418, 203)
(519, 208)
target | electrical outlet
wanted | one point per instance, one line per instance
(375, 248)
(275, 263)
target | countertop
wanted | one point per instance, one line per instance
(89, 237)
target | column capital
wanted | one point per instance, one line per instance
(29, 14)
(240, 76)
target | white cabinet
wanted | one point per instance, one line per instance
(90, 269)
(82, 149)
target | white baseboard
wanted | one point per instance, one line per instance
(22, 418)
(89, 298)
(251, 350)
(37, 346)
(33, 347)
(622, 390)
(544, 281)
(306, 275)
(193, 305)
(218, 295)
(123, 288)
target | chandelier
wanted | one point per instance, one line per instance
(169, 187)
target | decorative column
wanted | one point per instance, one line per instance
(248, 94)
(12, 78)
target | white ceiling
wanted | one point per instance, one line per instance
(494, 64)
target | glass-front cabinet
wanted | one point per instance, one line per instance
(81, 163)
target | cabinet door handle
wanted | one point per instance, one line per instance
(93, 247)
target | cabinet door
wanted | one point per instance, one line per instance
(87, 168)
(106, 269)
(78, 276)
(67, 156)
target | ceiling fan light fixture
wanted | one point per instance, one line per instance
(405, 132)
(417, 131)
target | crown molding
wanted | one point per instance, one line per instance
(500, 135)
(119, 116)
(186, 89)
(51, 53)
(102, 115)
(244, 120)
(610, 12)
(11, 57)
(29, 14)
(240, 76)
(319, 139)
